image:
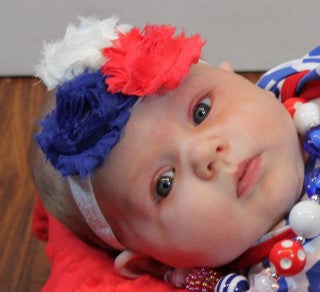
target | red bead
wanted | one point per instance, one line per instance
(292, 103)
(288, 257)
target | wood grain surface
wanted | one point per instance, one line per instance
(23, 264)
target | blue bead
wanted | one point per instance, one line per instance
(312, 182)
(312, 141)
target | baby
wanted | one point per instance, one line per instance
(172, 161)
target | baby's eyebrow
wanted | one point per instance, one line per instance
(139, 172)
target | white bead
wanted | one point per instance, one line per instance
(263, 282)
(304, 219)
(316, 101)
(306, 116)
(297, 105)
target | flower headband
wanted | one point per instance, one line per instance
(98, 71)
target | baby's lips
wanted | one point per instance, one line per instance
(247, 175)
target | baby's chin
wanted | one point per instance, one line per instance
(210, 258)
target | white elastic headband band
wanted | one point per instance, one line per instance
(83, 194)
(85, 199)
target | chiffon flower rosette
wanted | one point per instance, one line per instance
(142, 63)
(86, 123)
(95, 92)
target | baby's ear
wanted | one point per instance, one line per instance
(132, 265)
(226, 66)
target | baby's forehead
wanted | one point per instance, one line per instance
(153, 117)
(197, 76)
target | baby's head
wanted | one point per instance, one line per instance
(206, 163)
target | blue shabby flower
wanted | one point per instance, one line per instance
(79, 133)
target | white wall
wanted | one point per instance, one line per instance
(252, 34)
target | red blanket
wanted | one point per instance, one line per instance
(76, 266)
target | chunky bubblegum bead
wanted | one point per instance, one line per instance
(304, 219)
(306, 116)
(232, 283)
(292, 104)
(313, 182)
(264, 282)
(202, 279)
(287, 257)
(312, 141)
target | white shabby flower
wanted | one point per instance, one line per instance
(80, 49)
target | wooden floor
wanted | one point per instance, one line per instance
(23, 264)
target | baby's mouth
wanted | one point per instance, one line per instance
(248, 173)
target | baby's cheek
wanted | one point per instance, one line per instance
(273, 125)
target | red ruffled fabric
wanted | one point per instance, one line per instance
(142, 63)
(76, 266)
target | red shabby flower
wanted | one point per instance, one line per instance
(141, 63)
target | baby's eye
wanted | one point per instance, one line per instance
(201, 110)
(164, 184)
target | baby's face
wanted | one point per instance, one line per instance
(202, 172)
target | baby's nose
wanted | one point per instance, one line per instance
(204, 154)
